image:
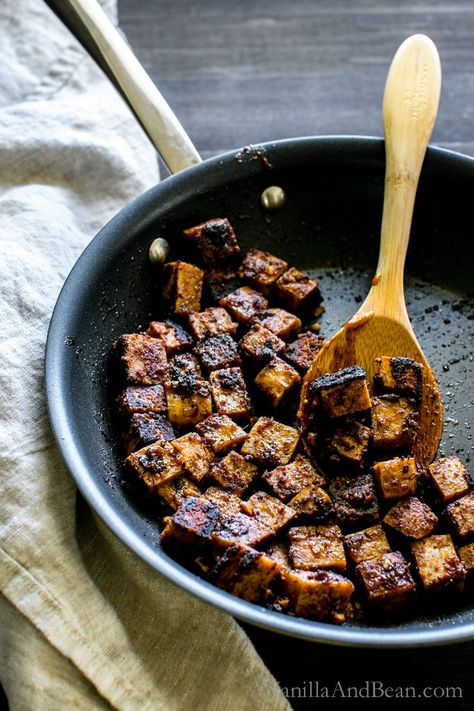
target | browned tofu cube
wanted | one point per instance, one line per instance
(221, 433)
(155, 465)
(450, 478)
(438, 563)
(260, 344)
(193, 523)
(402, 376)
(278, 321)
(227, 502)
(182, 288)
(394, 422)
(396, 477)
(218, 352)
(342, 393)
(318, 595)
(240, 528)
(142, 359)
(276, 381)
(184, 365)
(312, 503)
(278, 552)
(189, 401)
(214, 240)
(301, 352)
(271, 513)
(175, 492)
(234, 473)
(196, 456)
(245, 572)
(139, 398)
(355, 502)
(230, 393)
(261, 270)
(386, 581)
(295, 289)
(220, 281)
(173, 336)
(367, 544)
(411, 517)
(346, 444)
(287, 480)
(317, 547)
(145, 428)
(460, 515)
(243, 304)
(466, 555)
(211, 322)
(270, 442)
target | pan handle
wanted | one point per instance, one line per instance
(90, 25)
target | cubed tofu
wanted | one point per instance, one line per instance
(318, 595)
(227, 502)
(175, 492)
(245, 572)
(438, 563)
(295, 289)
(147, 427)
(394, 422)
(196, 456)
(234, 473)
(280, 322)
(270, 442)
(155, 465)
(402, 376)
(260, 344)
(230, 394)
(312, 503)
(220, 281)
(142, 359)
(142, 398)
(450, 478)
(301, 352)
(211, 322)
(346, 443)
(221, 433)
(243, 304)
(193, 523)
(240, 528)
(396, 477)
(317, 548)
(287, 480)
(412, 518)
(270, 512)
(460, 515)
(466, 556)
(189, 401)
(173, 336)
(184, 364)
(214, 240)
(387, 581)
(342, 393)
(276, 381)
(182, 289)
(218, 352)
(355, 502)
(261, 270)
(367, 544)
(278, 552)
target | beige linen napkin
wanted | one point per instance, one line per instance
(83, 622)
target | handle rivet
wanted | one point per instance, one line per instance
(158, 251)
(273, 198)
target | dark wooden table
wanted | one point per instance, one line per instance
(245, 72)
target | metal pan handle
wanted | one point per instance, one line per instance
(90, 25)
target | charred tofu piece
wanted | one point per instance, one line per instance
(176, 491)
(271, 513)
(240, 528)
(226, 501)
(211, 322)
(139, 398)
(221, 433)
(278, 321)
(155, 465)
(278, 552)
(287, 480)
(270, 442)
(402, 376)
(317, 548)
(355, 502)
(214, 240)
(261, 270)
(450, 478)
(188, 396)
(145, 428)
(342, 393)
(466, 556)
(184, 364)
(396, 477)
(386, 581)
(394, 422)
(460, 515)
(230, 393)
(318, 595)
(276, 381)
(193, 523)
(182, 288)
(196, 456)
(220, 281)
(347, 444)
(260, 344)
(245, 572)
(218, 352)
(142, 359)
(243, 304)
(438, 564)
(367, 544)
(173, 336)
(296, 289)
(301, 352)
(312, 503)
(234, 473)
(412, 518)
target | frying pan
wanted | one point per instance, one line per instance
(330, 227)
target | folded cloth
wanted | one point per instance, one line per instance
(83, 622)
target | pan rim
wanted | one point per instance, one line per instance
(346, 635)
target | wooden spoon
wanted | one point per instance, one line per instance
(381, 326)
